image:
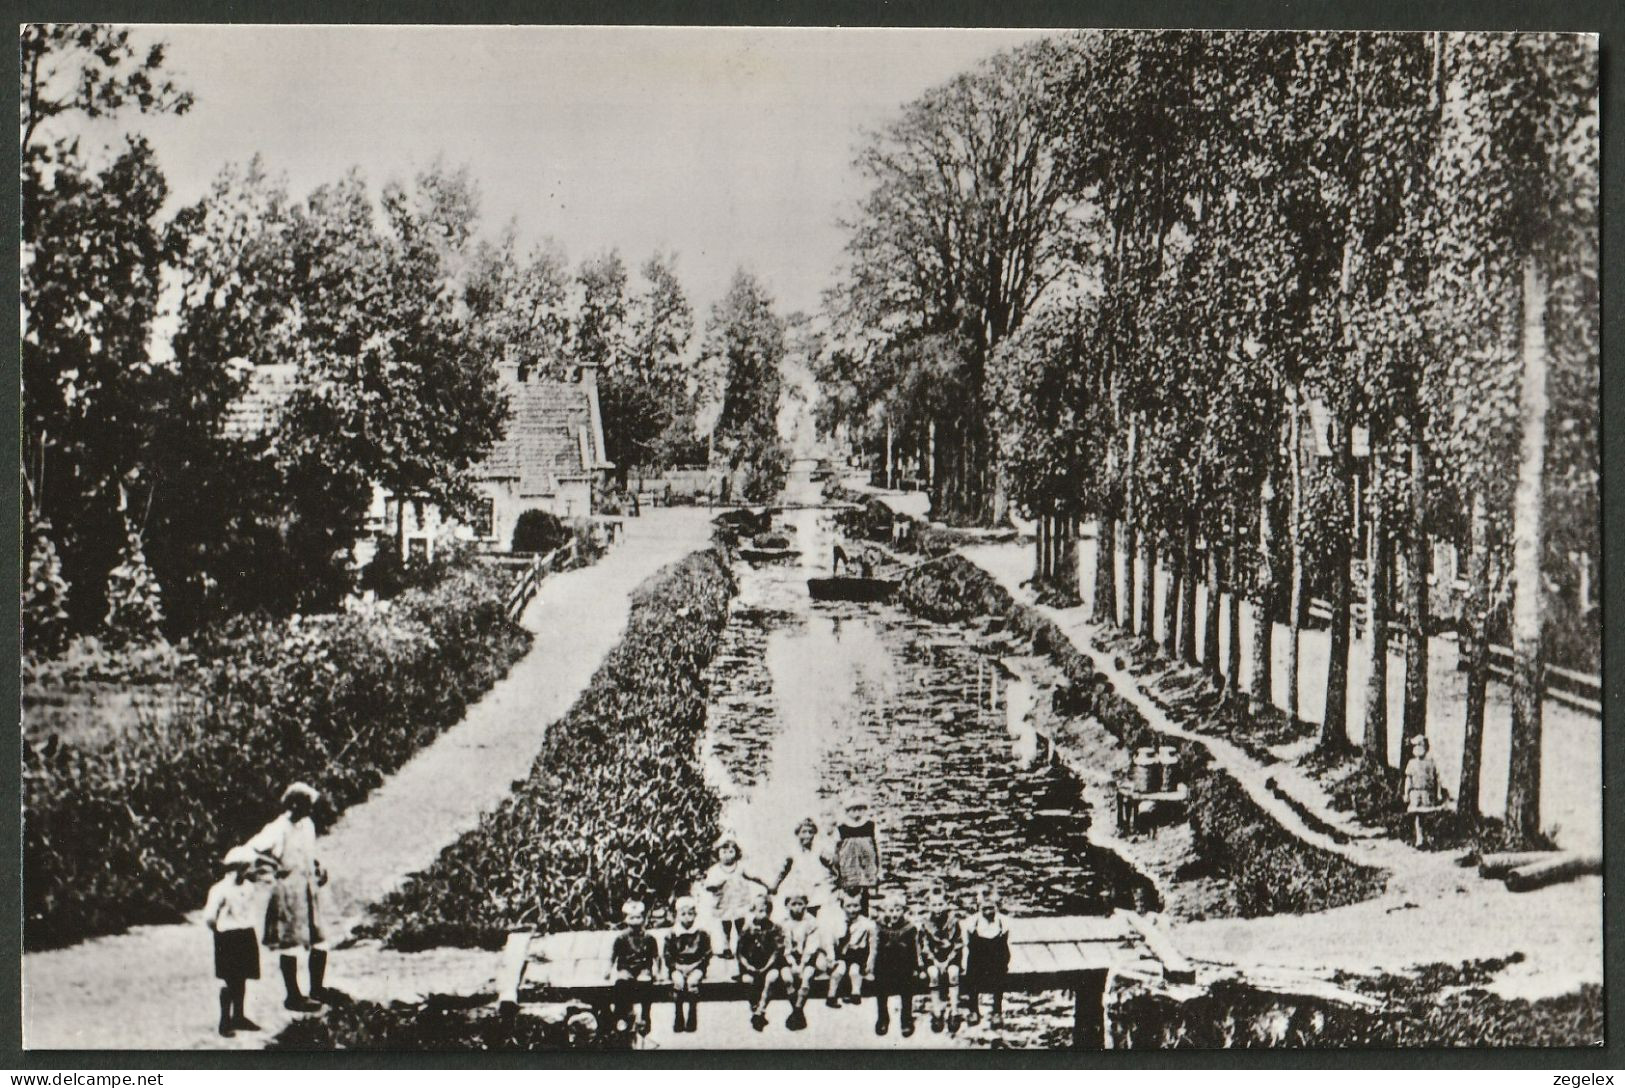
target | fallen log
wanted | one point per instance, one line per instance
(1553, 871)
(1501, 864)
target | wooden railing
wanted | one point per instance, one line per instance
(1580, 690)
(535, 573)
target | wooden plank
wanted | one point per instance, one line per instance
(1175, 967)
(1099, 927)
(515, 955)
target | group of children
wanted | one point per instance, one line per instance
(824, 930)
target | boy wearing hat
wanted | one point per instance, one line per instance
(633, 958)
(293, 921)
(233, 911)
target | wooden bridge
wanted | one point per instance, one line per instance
(1063, 953)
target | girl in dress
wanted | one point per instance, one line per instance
(293, 921)
(733, 892)
(987, 957)
(857, 851)
(1422, 793)
(807, 870)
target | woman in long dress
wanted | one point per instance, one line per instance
(293, 919)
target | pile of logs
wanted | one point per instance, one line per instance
(1530, 869)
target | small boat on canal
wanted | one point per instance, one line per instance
(849, 588)
(767, 555)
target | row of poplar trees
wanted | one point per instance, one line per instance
(1105, 277)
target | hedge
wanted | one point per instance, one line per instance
(616, 805)
(130, 831)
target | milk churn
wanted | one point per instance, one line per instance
(1147, 771)
(1168, 758)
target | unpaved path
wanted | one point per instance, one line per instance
(1432, 911)
(152, 987)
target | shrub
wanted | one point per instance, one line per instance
(130, 831)
(616, 804)
(539, 531)
(441, 1023)
(1440, 1006)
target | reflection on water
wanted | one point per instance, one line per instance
(812, 700)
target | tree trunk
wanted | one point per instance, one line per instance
(1148, 581)
(1374, 745)
(1476, 645)
(1261, 686)
(1210, 617)
(1040, 553)
(1334, 722)
(890, 474)
(1105, 567)
(1232, 572)
(1528, 543)
(1187, 598)
(1131, 539)
(1295, 529)
(1416, 597)
(1170, 602)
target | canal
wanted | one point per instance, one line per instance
(813, 701)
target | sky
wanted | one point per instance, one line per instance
(730, 147)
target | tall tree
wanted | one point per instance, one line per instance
(747, 337)
(958, 237)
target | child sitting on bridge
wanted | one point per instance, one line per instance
(850, 940)
(688, 953)
(761, 956)
(942, 941)
(897, 963)
(633, 958)
(987, 957)
(802, 956)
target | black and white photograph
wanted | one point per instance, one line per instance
(658, 539)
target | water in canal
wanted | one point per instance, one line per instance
(813, 700)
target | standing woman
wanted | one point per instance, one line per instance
(293, 920)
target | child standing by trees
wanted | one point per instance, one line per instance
(633, 958)
(857, 851)
(688, 953)
(1422, 793)
(761, 956)
(942, 940)
(233, 910)
(897, 963)
(733, 891)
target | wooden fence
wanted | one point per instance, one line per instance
(536, 571)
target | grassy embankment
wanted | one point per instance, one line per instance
(126, 825)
